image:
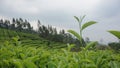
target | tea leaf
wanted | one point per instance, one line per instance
(89, 45)
(75, 34)
(115, 33)
(77, 18)
(88, 24)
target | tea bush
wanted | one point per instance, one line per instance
(18, 56)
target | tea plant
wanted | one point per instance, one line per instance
(12, 56)
(81, 28)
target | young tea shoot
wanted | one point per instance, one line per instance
(81, 29)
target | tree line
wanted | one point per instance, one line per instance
(46, 32)
(17, 25)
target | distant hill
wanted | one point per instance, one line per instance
(28, 39)
(6, 34)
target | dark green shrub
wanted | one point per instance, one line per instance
(115, 45)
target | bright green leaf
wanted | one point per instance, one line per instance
(88, 24)
(75, 34)
(29, 64)
(89, 45)
(115, 33)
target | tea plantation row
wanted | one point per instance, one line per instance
(18, 56)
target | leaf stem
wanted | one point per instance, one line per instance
(80, 31)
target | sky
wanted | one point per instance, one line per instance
(60, 14)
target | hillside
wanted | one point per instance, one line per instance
(22, 48)
(27, 38)
(17, 56)
(6, 34)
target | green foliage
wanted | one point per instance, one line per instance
(88, 24)
(23, 29)
(79, 19)
(7, 34)
(33, 57)
(82, 27)
(90, 45)
(75, 34)
(115, 46)
(51, 33)
(14, 54)
(115, 33)
(17, 38)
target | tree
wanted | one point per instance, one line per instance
(39, 24)
(13, 25)
(24, 25)
(29, 28)
(7, 23)
(54, 31)
(1, 23)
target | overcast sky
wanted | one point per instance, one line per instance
(60, 13)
